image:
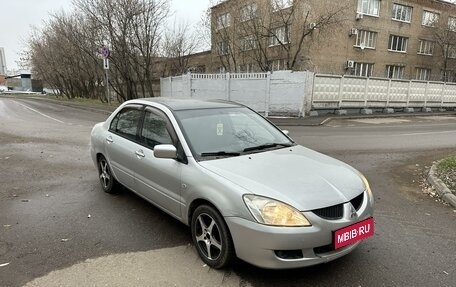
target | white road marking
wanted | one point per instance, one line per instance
(38, 112)
(426, 133)
(378, 121)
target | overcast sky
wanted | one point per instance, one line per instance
(17, 17)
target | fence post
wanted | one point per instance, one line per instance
(408, 93)
(189, 79)
(443, 94)
(170, 86)
(341, 85)
(307, 95)
(311, 90)
(388, 92)
(426, 94)
(228, 86)
(162, 87)
(268, 94)
(365, 92)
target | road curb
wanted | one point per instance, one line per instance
(442, 190)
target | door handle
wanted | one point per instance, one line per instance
(140, 153)
(109, 139)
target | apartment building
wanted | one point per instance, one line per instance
(402, 39)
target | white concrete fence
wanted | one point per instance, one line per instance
(297, 93)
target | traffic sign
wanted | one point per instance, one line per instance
(105, 52)
(106, 64)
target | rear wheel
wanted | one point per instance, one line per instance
(212, 237)
(107, 180)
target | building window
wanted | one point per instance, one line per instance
(369, 7)
(452, 24)
(366, 39)
(280, 36)
(248, 12)
(426, 47)
(363, 69)
(397, 43)
(278, 65)
(450, 51)
(281, 4)
(223, 21)
(248, 43)
(394, 72)
(429, 18)
(402, 13)
(246, 68)
(223, 48)
(448, 76)
(423, 74)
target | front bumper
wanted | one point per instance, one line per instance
(261, 245)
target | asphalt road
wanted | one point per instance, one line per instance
(49, 187)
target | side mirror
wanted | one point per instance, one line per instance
(286, 132)
(165, 151)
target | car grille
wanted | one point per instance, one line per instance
(332, 213)
(337, 211)
(357, 201)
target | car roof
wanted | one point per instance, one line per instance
(189, 104)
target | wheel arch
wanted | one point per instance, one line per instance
(194, 205)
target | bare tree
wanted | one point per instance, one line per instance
(444, 36)
(262, 31)
(65, 52)
(52, 55)
(225, 37)
(178, 44)
(132, 29)
(282, 27)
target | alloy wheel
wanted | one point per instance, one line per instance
(105, 174)
(208, 236)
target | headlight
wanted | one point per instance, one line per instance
(367, 187)
(272, 212)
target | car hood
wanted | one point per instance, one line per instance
(298, 176)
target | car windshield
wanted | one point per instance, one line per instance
(224, 132)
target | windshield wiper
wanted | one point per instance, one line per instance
(220, 153)
(268, 145)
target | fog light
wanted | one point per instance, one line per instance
(289, 254)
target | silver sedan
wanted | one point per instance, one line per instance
(244, 187)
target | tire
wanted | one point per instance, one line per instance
(212, 237)
(107, 180)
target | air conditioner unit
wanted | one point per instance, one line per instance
(312, 26)
(354, 31)
(350, 64)
(359, 16)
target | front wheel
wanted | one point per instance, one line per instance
(107, 180)
(212, 237)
